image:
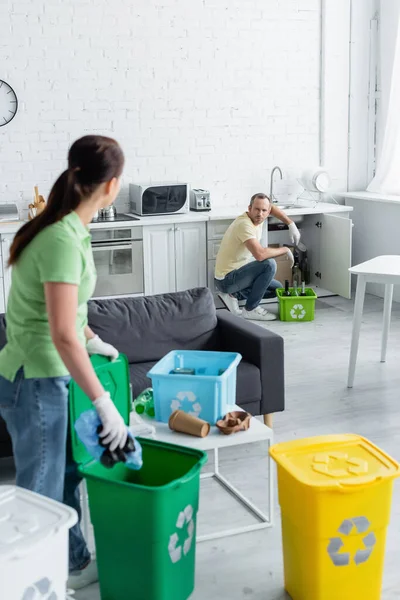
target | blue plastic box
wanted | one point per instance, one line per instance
(208, 394)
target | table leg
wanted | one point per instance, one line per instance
(387, 309)
(264, 520)
(358, 309)
(268, 420)
(216, 461)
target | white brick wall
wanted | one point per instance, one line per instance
(213, 92)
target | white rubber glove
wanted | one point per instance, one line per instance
(114, 432)
(294, 233)
(290, 257)
(96, 346)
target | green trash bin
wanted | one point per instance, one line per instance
(144, 521)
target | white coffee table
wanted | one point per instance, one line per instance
(215, 441)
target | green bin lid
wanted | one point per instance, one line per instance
(114, 377)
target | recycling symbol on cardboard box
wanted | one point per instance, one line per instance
(357, 526)
(186, 401)
(175, 548)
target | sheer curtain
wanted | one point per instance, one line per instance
(387, 177)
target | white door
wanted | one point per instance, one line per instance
(159, 259)
(335, 257)
(190, 255)
(6, 240)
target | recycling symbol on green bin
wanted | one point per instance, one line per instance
(298, 312)
(41, 590)
(185, 532)
(352, 527)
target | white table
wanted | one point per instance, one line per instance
(215, 441)
(381, 269)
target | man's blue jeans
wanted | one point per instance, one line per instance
(36, 415)
(252, 282)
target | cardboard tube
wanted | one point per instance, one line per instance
(184, 423)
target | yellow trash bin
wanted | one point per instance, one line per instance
(335, 494)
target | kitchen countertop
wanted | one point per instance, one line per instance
(302, 209)
(371, 197)
(217, 214)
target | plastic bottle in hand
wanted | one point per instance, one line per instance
(144, 403)
(109, 458)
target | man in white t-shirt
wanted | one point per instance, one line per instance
(236, 272)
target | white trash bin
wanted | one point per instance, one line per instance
(33, 545)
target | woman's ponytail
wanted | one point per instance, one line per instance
(62, 200)
(92, 160)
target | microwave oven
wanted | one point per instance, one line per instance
(159, 198)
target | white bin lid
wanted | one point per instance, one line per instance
(27, 518)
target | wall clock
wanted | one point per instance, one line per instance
(8, 103)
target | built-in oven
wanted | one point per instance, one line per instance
(118, 257)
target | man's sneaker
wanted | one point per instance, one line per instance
(258, 314)
(231, 303)
(81, 579)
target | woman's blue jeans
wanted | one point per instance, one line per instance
(36, 415)
(252, 282)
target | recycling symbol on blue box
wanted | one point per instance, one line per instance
(357, 526)
(186, 401)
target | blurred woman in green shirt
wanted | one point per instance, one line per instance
(48, 339)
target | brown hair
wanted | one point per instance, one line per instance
(92, 160)
(259, 195)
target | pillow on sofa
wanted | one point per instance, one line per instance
(147, 328)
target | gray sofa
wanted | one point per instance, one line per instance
(146, 328)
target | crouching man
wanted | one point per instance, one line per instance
(237, 274)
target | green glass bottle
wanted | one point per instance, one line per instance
(144, 403)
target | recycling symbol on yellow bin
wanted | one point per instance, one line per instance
(174, 548)
(357, 526)
(339, 464)
(298, 312)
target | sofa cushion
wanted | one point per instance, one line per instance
(248, 383)
(147, 328)
(139, 379)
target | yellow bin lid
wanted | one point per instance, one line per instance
(335, 461)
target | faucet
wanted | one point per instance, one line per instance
(272, 183)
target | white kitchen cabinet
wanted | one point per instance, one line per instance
(335, 254)
(215, 232)
(211, 275)
(6, 240)
(174, 257)
(2, 298)
(190, 256)
(159, 259)
(328, 238)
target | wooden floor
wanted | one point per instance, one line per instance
(249, 567)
